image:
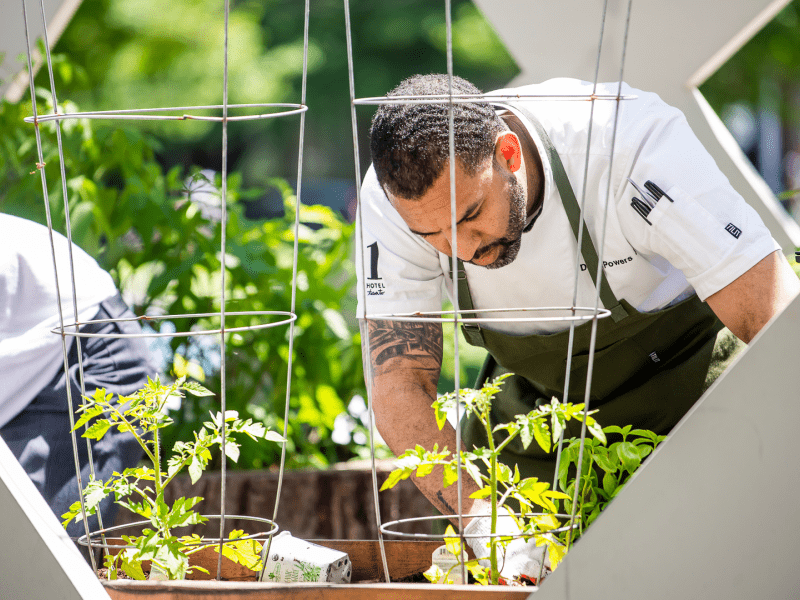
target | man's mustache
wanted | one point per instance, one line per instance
(483, 251)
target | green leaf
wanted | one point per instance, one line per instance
(450, 475)
(628, 456)
(97, 430)
(88, 415)
(434, 574)
(232, 450)
(482, 493)
(595, 429)
(542, 434)
(452, 541)
(424, 469)
(605, 461)
(504, 474)
(195, 389)
(393, 479)
(609, 484)
(274, 436)
(195, 470)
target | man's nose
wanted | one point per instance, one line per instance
(468, 244)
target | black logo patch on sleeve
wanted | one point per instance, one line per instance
(733, 230)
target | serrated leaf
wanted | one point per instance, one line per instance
(424, 469)
(195, 470)
(595, 429)
(87, 416)
(392, 480)
(232, 450)
(97, 430)
(195, 389)
(450, 475)
(481, 493)
(556, 552)
(452, 541)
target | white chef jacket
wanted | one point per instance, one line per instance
(30, 354)
(701, 242)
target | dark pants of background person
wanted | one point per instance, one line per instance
(40, 435)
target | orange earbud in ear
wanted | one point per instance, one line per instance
(509, 148)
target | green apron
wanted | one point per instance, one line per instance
(649, 368)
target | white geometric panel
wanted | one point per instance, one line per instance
(673, 46)
(14, 82)
(38, 560)
(714, 513)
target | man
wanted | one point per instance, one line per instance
(34, 421)
(675, 271)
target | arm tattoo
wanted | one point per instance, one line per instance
(421, 342)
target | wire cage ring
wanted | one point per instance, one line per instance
(91, 538)
(440, 316)
(153, 114)
(290, 317)
(385, 527)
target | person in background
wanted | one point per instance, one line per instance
(34, 421)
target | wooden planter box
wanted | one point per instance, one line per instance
(404, 559)
(332, 504)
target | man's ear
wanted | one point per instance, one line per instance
(508, 150)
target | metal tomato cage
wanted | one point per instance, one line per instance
(271, 318)
(572, 313)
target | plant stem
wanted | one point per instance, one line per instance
(493, 496)
(132, 429)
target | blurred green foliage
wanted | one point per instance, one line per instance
(162, 246)
(773, 53)
(145, 53)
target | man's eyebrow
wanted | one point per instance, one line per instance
(467, 214)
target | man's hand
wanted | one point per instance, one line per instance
(749, 302)
(518, 558)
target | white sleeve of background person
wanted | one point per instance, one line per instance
(709, 232)
(401, 271)
(30, 354)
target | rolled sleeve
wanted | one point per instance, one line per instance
(397, 271)
(708, 232)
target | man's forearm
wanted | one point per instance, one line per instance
(749, 302)
(405, 361)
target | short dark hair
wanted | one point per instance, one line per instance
(409, 142)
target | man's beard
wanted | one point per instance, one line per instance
(510, 243)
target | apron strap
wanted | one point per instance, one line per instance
(572, 208)
(472, 332)
(573, 211)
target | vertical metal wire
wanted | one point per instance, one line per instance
(68, 227)
(454, 266)
(298, 204)
(40, 166)
(580, 242)
(365, 330)
(579, 245)
(593, 337)
(223, 225)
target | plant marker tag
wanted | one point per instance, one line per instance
(292, 560)
(446, 560)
